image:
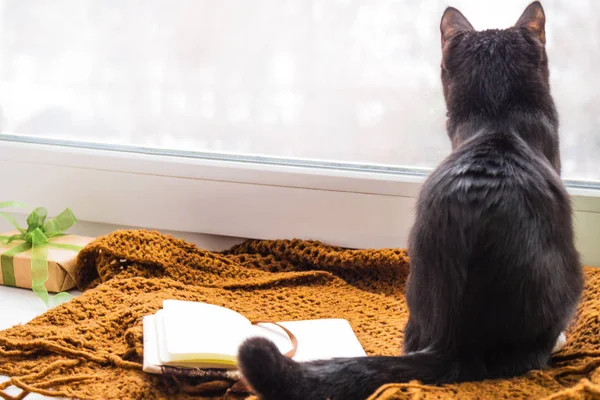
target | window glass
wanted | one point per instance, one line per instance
(334, 81)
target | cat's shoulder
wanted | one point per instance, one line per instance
(491, 165)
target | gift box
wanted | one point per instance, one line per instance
(41, 257)
(16, 268)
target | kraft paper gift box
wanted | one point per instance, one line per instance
(61, 262)
(42, 256)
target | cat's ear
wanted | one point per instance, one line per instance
(453, 22)
(534, 20)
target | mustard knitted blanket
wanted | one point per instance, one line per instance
(91, 347)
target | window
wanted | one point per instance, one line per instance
(321, 117)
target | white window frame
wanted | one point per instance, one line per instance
(347, 205)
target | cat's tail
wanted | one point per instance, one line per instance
(272, 376)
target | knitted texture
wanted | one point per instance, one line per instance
(91, 347)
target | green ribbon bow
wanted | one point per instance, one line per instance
(37, 237)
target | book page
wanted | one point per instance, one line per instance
(193, 330)
(317, 339)
(151, 361)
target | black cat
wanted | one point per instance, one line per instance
(495, 277)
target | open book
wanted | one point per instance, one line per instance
(194, 335)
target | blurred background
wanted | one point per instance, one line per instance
(338, 81)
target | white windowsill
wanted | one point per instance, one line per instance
(187, 195)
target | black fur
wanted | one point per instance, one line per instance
(495, 276)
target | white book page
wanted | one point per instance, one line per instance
(317, 339)
(151, 361)
(193, 328)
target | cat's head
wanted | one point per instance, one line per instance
(488, 74)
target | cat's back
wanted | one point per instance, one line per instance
(506, 207)
(496, 171)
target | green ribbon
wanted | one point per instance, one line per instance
(37, 237)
